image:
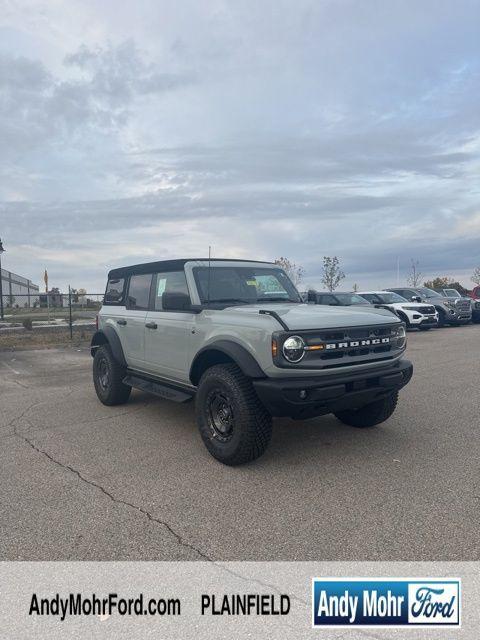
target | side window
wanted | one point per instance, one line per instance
(139, 292)
(329, 300)
(114, 291)
(169, 282)
(371, 297)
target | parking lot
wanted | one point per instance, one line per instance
(84, 481)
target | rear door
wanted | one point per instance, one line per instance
(168, 333)
(131, 326)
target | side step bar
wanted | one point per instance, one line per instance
(159, 389)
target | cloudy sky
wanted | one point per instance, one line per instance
(148, 130)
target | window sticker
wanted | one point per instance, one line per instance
(161, 283)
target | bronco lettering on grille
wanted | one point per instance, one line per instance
(356, 343)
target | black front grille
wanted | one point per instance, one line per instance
(463, 305)
(427, 310)
(352, 333)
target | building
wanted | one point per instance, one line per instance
(51, 299)
(18, 291)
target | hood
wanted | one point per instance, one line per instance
(413, 305)
(310, 316)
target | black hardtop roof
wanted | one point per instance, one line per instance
(169, 265)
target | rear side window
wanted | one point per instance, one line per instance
(114, 291)
(169, 282)
(139, 292)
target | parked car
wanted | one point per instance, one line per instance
(448, 293)
(450, 311)
(236, 336)
(337, 299)
(475, 293)
(475, 304)
(415, 314)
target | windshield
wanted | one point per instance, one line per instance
(428, 293)
(452, 293)
(349, 298)
(390, 298)
(246, 285)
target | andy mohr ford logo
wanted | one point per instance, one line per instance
(385, 602)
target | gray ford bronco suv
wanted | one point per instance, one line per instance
(236, 336)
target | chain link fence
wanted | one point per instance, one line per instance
(36, 310)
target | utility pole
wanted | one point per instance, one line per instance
(1, 281)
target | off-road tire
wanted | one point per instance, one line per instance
(248, 425)
(107, 378)
(371, 414)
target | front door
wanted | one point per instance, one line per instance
(168, 333)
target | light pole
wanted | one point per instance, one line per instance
(1, 281)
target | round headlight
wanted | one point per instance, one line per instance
(294, 348)
(401, 335)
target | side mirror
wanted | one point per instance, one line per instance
(176, 301)
(416, 299)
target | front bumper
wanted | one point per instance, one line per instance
(315, 396)
(463, 318)
(424, 321)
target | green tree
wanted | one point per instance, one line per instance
(439, 283)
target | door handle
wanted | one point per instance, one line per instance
(122, 322)
(151, 325)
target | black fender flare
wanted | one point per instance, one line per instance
(109, 336)
(233, 351)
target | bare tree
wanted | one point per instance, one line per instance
(414, 276)
(294, 272)
(332, 274)
(355, 287)
(476, 275)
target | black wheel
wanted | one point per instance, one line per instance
(441, 318)
(371, 414)
(107, 378)
(234, 425)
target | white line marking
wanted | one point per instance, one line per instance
(10, 367)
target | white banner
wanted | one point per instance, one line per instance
(231, 600)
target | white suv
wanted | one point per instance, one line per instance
(415, 314)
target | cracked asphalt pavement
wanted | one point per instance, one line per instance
(84, 481)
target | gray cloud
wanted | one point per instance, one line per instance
(261, 129)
